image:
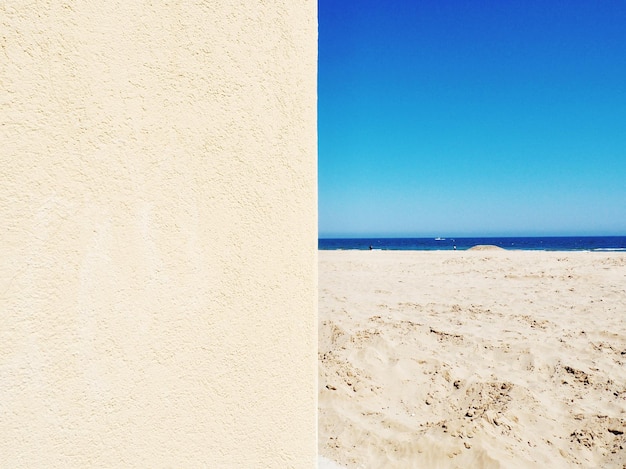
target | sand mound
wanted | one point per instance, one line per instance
(486, 247)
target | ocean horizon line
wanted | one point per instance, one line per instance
(546, 243)
(327, 236)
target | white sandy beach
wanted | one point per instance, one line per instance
(472, 359)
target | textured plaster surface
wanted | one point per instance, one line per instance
(158, 240)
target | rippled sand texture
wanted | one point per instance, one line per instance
(472, 359)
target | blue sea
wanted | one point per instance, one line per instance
(553, 243)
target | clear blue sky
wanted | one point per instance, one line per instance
(452, 118)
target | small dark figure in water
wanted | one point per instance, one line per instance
(371, 247)
(455, 247)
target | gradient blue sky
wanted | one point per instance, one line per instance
(452, 118)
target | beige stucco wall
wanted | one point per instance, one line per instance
(158, 233)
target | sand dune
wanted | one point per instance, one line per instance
(472, 359)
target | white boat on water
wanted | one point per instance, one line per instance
(440, 239)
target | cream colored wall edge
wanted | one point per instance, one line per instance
(159, 234)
